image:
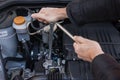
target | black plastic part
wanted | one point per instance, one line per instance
(22, 12)
(39, 66)
(35, 51)
(54, 76)
(37, 25)
(105, 33)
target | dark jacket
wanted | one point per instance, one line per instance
(87, 11)
(104, 67)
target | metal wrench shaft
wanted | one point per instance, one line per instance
(65, 31)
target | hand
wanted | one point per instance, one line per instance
(48, 15)
(86, 49)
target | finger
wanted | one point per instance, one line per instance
(41, 20)
(39, 17)
(79, 56)
(35, 15)
(43, 10)
(79, 39)
(46, 22)
(75, 45)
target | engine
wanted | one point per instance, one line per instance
(31, 48)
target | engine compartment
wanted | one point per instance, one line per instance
(33, 49)
(43, 52)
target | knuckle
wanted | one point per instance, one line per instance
(79, 56)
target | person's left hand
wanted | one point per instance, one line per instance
(86, 49)
(48, 15)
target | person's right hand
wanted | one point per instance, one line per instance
(86, 49)
(48, 15)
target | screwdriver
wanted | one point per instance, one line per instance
(65, 31)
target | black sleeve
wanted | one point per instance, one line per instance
(87, 11)
(105, 67)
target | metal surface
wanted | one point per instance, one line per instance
(50, 40)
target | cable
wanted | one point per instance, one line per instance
(33, 32)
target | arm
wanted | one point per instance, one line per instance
(104, 67)
(87, 11)
(82, 11)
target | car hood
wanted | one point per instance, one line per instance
(7, 3)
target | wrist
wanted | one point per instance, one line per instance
(95, 55)
(63, 12)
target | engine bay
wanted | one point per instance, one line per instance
(32, 50)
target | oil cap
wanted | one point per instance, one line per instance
(19, 20)
(20, 25)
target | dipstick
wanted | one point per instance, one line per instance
(65, 31)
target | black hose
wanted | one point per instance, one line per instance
(29, 62)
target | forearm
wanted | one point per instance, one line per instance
(87, 11)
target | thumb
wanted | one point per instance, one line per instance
(76, 45)
(79, 39)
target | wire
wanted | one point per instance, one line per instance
(45, 28)
(33, 32)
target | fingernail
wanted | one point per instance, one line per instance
(75, 44)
